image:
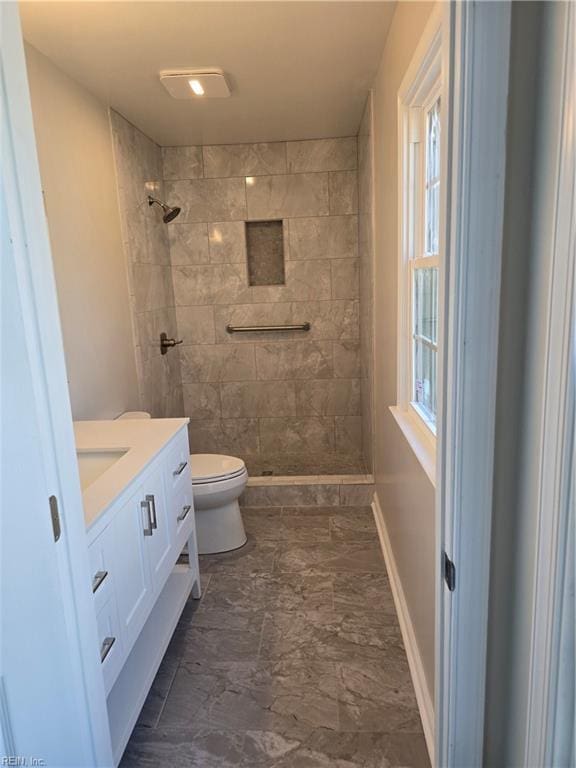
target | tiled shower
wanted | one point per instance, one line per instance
(268, 235)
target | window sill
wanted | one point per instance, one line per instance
(423, 444)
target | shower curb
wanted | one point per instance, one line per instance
(308, 491)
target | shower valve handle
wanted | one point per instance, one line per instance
(166, 343)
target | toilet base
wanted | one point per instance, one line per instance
(220, 529)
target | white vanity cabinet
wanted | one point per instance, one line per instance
(139, 586)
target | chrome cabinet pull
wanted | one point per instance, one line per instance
(106, 647)
(152, 502)
(146, 506)
(97, 579)
(181, 467)
(184, 512)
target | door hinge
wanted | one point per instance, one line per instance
(54, 514)
(449, 573)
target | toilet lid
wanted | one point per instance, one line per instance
(213, 466)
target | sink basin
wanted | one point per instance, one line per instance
(93, 464)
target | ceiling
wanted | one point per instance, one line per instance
(297, 69)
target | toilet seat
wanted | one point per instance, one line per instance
(213, 467)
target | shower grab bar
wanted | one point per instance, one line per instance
(267, 328)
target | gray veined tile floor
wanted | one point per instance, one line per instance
(292, 659)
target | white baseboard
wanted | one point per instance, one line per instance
(423, 697)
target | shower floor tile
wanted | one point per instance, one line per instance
(293, 658)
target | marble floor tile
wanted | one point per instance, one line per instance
(360, 592)
(183, 748)
(306, 528)
(269, 592)
(262, 523)
(325, 748)
(332, 557)
(329, 636)
(286, 696)
(222, 636)
(353, 524)
(254, 557)
(377, 696)
(272, 524)
(293, 657)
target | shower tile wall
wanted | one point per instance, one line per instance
(145, 237)
(280, 397)
(366, 256)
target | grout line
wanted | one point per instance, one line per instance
(261, 175)
(203, 163)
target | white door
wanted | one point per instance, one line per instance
(43, 714)
(52, 703)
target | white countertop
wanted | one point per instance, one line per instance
(142, 439)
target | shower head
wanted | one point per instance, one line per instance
(169, 212)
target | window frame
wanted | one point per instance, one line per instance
(417, 259)
(421, 87)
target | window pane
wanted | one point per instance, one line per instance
(426, 303)
(425, 378)
(432, 197)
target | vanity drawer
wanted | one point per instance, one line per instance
(109, 643)
(101, 568)
(177, 463)
(182, 512)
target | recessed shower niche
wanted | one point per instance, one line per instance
(265, 252)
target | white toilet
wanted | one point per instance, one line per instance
(217, 483)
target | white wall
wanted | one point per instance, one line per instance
(77, 167)
(404, 491)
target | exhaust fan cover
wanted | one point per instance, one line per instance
(195, 84)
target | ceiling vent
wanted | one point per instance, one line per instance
(195, 83)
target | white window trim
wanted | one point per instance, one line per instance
(420, 87)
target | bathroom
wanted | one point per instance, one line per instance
(223, 267)
(287, 393)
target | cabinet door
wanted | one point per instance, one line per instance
(132, 574)
(159, 545)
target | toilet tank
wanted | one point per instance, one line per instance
(134, 415)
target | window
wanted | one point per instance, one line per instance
(420, 243)
(423, 265)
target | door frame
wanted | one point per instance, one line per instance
(551, 676)
(476, 60)
(41, 324)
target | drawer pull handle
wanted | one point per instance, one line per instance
(181, 467)
(97, 580)
(184, 512)
(148, 531)
(106, 647)
(154, 520)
